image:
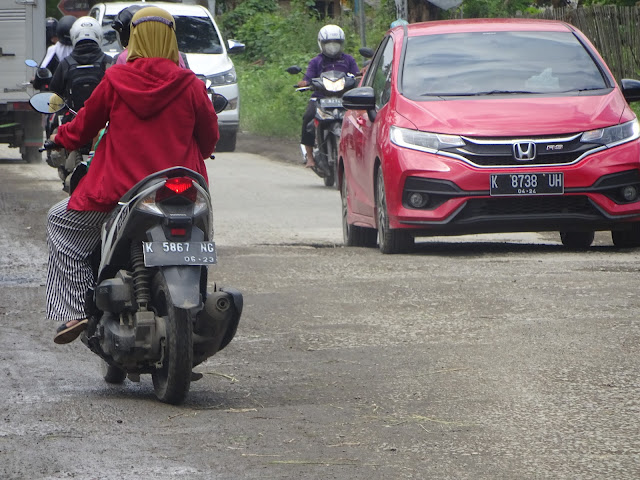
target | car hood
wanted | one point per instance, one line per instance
(209, 64)
(507, 117)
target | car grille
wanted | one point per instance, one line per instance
(527, 206)
(499, 152)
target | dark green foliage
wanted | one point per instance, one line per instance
(234, 19)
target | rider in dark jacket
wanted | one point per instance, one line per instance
(86, 38)
(331, 57)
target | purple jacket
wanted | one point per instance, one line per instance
(321, 63)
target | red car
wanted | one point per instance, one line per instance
(489, 125)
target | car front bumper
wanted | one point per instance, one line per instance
(460, 199)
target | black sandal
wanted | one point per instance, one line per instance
(68, 333)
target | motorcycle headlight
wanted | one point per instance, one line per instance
(225, 78)
(333, 86)
(425, 141)
(612, 136)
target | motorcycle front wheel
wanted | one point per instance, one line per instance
(330, 149)
(172, 378)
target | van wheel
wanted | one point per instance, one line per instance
(227, 142)
(577, 240)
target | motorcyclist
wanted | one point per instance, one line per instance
(159, 116)
(50, 29)
(86, 39)
(58, 51)
(331, 57)
(122, 26)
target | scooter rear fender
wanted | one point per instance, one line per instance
(183, 283)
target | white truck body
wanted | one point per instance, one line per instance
(22, 36)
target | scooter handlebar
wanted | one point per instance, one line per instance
(48, 145)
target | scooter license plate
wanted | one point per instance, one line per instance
(160, 254)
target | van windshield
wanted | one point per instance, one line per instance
(498, 63)
(195, 35)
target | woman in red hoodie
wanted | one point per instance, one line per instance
(159, 116)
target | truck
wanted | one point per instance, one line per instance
(22, 37)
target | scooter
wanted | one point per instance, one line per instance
(62, 160)
(150, 311)
(328, 120)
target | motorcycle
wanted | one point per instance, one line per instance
(63, 161)
(149, 311)
(328, 120)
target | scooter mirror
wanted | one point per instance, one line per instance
(220, 102)
(31, 63)
(44, 74)
(47, 102)
(294, 70)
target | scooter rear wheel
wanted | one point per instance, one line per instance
(172, 379)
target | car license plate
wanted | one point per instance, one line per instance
(331, 102)
(526, 184)
(158, 254)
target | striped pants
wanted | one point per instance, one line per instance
(71, 236)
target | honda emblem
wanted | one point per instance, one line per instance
(524, 151)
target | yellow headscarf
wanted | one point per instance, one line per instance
(153, 35)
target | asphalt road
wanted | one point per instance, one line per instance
(483, 357)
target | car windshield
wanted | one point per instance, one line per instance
(498, 63)
(195, 35)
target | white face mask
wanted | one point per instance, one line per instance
(331, 49)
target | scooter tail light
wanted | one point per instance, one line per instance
(178, 186)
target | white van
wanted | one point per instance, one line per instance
(207, 55)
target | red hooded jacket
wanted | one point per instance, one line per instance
(159, 116)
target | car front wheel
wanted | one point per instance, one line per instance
(353, 235)
(390, 240)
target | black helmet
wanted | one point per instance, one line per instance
(122, 23)
(64, 29)
(52, 25)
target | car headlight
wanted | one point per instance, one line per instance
(225, 78)
(615, 135)
(425, 141)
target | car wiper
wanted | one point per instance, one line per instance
(478, 94)
(583, 89)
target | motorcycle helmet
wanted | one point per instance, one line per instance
(64, 28)
(86, 28)
(52, 25)
(330, 40)
(122, 24)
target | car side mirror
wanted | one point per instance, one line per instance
(234, 46)
(366, 52)
(631, 90)
(361, 98)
